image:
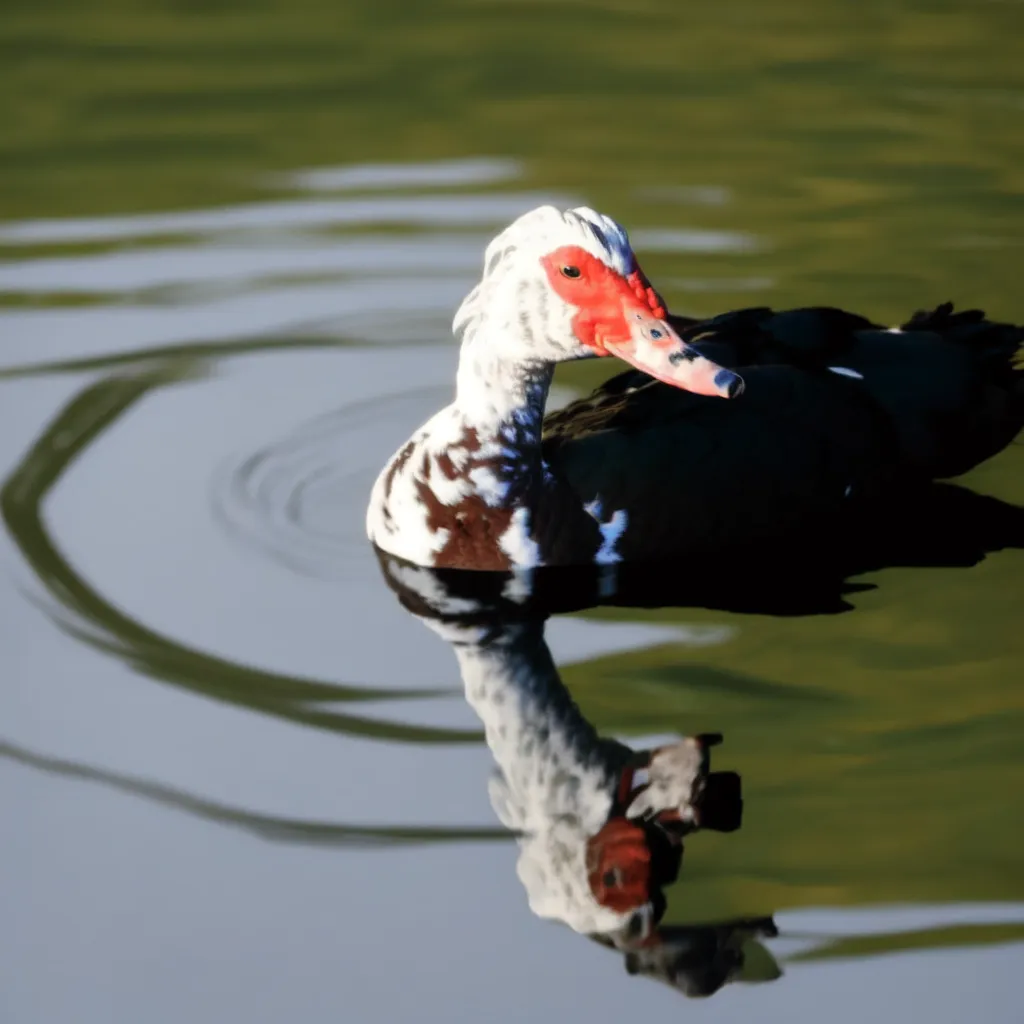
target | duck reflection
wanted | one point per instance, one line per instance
(816, 573)
(600, 826)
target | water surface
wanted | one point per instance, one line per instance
(239, 780)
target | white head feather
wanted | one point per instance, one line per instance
(513, 285)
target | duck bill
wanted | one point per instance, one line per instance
(653, 346)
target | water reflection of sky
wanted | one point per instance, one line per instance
(295, 266)
(151, 912)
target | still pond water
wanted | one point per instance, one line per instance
(239, 782)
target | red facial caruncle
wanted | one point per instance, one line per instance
(619, 865)
(622, 315)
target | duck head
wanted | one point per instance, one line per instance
(561, 285)
(663, 795)
(601, 862)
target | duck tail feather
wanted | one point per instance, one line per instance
(998, 345)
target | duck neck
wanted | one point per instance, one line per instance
(553, 760)
(502, 398)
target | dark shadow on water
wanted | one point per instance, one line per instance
(263, 826)
(883, 943)
(941, 525)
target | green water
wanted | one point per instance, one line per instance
(869, 155)
(874, 147)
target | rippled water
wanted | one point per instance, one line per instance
(239, 781)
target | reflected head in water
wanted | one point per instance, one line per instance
(600, 826)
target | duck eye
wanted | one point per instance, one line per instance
(570, 271)
(611, 877)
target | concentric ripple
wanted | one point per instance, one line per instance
(301, 499)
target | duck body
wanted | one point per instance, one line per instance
(836, 412)
(826, 410)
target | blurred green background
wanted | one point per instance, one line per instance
(875, 148)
